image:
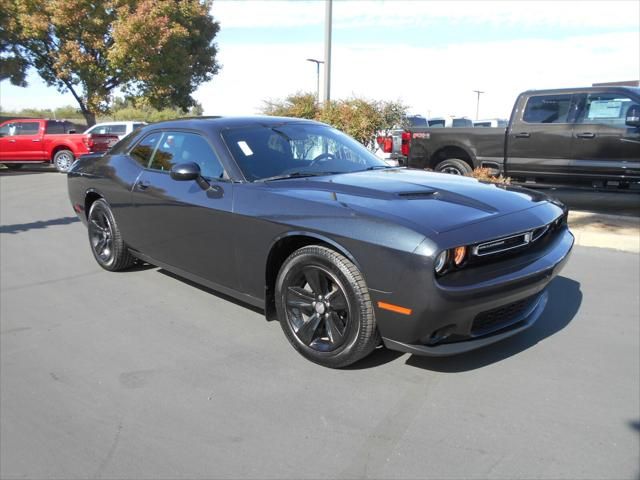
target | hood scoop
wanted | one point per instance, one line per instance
(420, 194)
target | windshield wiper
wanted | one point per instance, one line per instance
(377, 167)
(296, 175)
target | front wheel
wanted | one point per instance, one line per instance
(105, 240)
(63, 160)
(324, 307)
(454, 166)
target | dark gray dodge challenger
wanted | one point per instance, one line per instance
(348, 253)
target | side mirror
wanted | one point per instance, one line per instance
(633, 116)
(185, 171)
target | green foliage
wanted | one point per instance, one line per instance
(360, 118)
(159, 50)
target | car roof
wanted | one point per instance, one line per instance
(618, 89)
(231, 122)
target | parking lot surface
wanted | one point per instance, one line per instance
(143, 375)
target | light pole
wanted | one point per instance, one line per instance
(478, 103)
(317, 62)
(327, 52)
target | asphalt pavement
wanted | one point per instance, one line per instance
(143, 375)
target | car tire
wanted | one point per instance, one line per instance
(454, 166)
(13, 166)
(105, 239)
(324, 307)
(63, 159)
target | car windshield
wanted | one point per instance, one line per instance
(296, 150)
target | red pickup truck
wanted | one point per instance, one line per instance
(34, 140)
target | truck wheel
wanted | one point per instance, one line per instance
(63, 160)
(454, 166)
(13, 166)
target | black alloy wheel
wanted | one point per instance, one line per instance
(324, 307)
(317, 308)
(105, 240)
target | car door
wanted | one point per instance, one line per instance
(539, 140)
(8, 141)
(28, 141)
(603, 146)
(184, 224)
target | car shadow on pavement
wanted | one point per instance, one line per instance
(24, 227)
(211, 291)
(564, 302)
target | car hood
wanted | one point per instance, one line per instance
(424, 201)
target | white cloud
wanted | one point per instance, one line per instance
(431, 80)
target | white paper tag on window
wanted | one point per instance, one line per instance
(245, 148)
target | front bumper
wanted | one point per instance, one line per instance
(475, 308)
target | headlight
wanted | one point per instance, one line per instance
(441, 261)
(459, 254)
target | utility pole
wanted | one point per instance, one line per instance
(327, 52)
(478, 103)
(317, 62)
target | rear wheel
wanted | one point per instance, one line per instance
(105, 240)
(454, 166)
(324, 307)
(63, 160)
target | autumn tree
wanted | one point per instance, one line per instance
(359, 117)
(12, 65)
(157, 50)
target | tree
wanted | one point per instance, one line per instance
(298, 105)
(160, 50)
(12, 65)
(360, 118)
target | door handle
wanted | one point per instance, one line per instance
(142, 185)
(586, 135)
(523, 135)
(35, 140)
(12, 140)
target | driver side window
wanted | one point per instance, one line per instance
(183, 147)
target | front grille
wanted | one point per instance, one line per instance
(500, 317)
(502, 244)
(516, 242)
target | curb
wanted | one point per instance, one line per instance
(605, 231)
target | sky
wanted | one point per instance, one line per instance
(430, 55)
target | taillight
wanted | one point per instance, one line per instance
(385, 143)
(88, 141)
(406, 140)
